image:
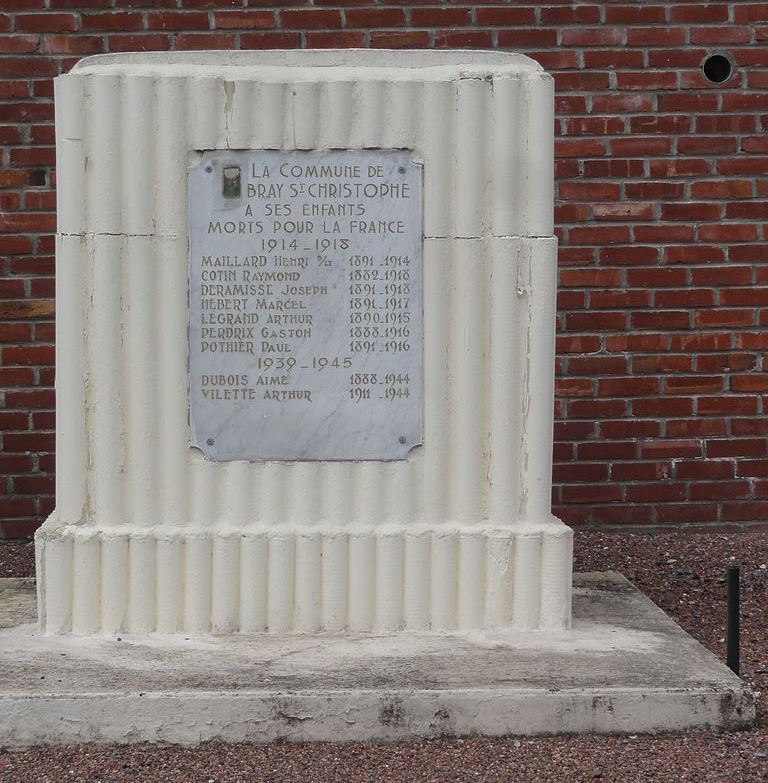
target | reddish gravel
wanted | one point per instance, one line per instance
(683, 573)
(17, 558)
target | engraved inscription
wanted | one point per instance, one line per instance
(305, 332)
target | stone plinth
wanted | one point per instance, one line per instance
(150, 535)
(624, 667)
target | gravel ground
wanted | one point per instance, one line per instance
(17, 559)
(683, 573)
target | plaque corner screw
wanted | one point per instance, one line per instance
(401, 439)
(208, 169)
(210, 442)
(401, 169)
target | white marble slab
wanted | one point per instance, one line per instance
(305, 286)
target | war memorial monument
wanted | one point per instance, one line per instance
(305, 351)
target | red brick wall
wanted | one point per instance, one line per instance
(662, 210)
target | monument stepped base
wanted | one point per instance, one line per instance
(291, 579)
(625, 667)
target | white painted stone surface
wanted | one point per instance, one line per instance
(148, 535)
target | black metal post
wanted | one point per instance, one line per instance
(734, 611)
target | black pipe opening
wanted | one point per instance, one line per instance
(717, 68)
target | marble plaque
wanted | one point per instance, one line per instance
(305, 316)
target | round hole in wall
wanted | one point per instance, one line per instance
(717, 68)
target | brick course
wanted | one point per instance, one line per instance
(662, 207)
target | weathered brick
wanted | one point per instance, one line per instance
(714, 318)
(592, 493)
(635, 14)
(374, 17)
(46, 22)
(744, 511)
(595, 409)
(599, 235)
(692, 297)
(656, 36)
(578, 472)
(726, 362)
(463, 39)
(342, 39)
(632, 255)
(597, 365)
(637, 342)
(641, 145)
(662, 363)
(728, 232)
(613, 167)
(527, 38)
(624, 212)
(310, 19)
(693, 384)
(738, 447)
(660, 319)
(565, 14)
(593, 36)
(640, 471)
(191, 41)
(121, 21)
(757, 426)
(278, 40)
(725, 123)
(688, 428)
(726, 405)
(662, 406)
(34, 355)
(141, 42)
(405, 39)
(757, 382)
(628, 387)
(722, 188)
(243, 20)
(610, 300)
(696, 470)
(440, 16)
(600, 450)
(664, 232)
(610, 58)
(693, 254)
(720, 34)
(659, 491)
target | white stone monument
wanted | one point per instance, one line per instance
(305, 327)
